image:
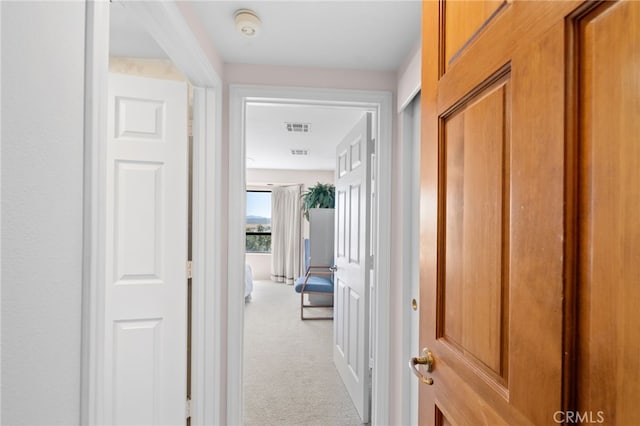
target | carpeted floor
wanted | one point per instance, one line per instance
(289, 376)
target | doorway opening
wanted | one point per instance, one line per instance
(379, 103)
(165, 26)
(291, 148)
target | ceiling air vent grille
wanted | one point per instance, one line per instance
(299, 152)
(298, 127)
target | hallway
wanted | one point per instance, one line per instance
(289, 376)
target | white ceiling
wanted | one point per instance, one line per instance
(269, 144)
(127, 38)
(348, 34)
(361, 34)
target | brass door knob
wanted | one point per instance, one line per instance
(426, 360)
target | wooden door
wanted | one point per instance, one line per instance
(529, 187)
(353, 262)
(608, 214)
(145, 335)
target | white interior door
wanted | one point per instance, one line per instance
(353, 213)
(145, 358)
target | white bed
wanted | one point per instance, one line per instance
(248, 285)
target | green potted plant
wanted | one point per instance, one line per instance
(322, 195)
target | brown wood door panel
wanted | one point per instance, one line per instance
(507, 298)
(537, 233)
(514, 27)
(530, 192)
(468, 399)
(609, 219)
(495, 122)
(473, 317)
(462, 21)
(441, 419)
(477, 63)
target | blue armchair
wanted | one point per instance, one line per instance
(318, 279)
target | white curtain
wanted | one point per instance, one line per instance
(286, 233)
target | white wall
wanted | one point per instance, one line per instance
(41, 212)
(260, 179)
(308, 178)
(195, 24)
(260, 265)
(409, 76)
(273, 75)
(42, 186)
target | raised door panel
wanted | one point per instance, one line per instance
(475, 284)
(138, 372)
(354, 223)
(441, 419)
(609, 226)
(341, 215)
(356, 151)
(139, 222)
(342, 159)
(341, 333)
(140, 119)
(462, 20)
(355, 360)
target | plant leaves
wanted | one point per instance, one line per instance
(320, 195)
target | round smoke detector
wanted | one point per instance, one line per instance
(247, 22)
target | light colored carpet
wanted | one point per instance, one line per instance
(289, 376)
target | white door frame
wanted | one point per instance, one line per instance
(410, 269)
(378, 101)
(166, 25)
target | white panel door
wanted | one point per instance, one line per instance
(145, 360)
(353, 213)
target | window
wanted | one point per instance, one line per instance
(258, 222)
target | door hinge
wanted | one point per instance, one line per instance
(188, 408)
(372, 146)
(189, 265)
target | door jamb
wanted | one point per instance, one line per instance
(166, 24)
(410, 268)
(380, 101)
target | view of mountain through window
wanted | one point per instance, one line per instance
(258, 222)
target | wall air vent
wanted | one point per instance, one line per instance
(298, 127)
(299, 152)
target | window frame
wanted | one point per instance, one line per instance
(251, 233)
